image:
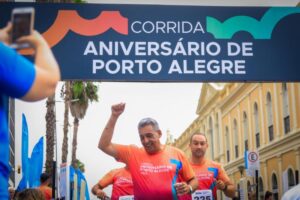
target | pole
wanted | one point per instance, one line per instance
(53, 179)
(256, 181)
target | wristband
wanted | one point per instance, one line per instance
(191, 189)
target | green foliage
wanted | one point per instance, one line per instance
(91, 91)
(79, 1)
(84, 91)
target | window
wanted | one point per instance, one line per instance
(286, 114)
(270, 117)
(256, 124)
(235, 138)
(274, 187)
(291, 179)
(245, 125)
(227, 144)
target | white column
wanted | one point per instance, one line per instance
(279, 159)
(276, 106)
(265, 175)
(221, 139)
(250, 125)
(293, 107)
(297, 153)
(262, 117)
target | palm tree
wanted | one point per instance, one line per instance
(81, 94)
(65, 93)
(50, 131)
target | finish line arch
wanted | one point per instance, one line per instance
(115, 42)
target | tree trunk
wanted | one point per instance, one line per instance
(74, 143)
(66, 123)
(50, 131)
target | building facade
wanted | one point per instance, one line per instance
(263, 117)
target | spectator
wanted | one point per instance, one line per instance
(19, 78)
(44, 187)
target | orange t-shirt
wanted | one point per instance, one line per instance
(207, 173)
(154, 175)
(47, 191)
(121, 181)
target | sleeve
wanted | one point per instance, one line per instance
(223, 175)
(17, 74)
(187, 172)
(107, 179)
(123, 152)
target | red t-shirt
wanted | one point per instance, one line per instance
(154, 175)
(121, 181)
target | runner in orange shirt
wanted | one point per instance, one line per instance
(154, 167)
(122, 185)
(211, 175)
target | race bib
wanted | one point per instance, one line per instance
(202, 195)
(127, 197)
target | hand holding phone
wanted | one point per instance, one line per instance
(22, 25)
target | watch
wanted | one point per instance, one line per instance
(191, 189)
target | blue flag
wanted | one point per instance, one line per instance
(36, 163)
(24, 154)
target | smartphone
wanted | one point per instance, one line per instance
(22, 24)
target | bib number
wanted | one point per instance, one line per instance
(127, 197)
(202, 195)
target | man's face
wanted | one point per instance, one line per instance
(198, 146)
(150, 139)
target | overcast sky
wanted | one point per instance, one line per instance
(172, 104)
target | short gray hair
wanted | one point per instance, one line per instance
(148, 121)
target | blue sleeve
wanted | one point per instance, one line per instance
(17, 74)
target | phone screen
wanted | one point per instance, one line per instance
(21, 25)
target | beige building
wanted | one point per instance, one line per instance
(263, 117)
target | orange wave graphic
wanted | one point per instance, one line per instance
(69, 20)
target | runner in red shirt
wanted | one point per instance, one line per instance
(44, 187)
(211, 175)
(122, 185)
(154, 167)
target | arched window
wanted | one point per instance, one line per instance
(217, 132)
(274, 186)
(235, 139)
(227, 144)
(291, 179)
(256, 125)
(211, 138)
(245, 125)
(270, 117)
(286, 112)
(261, 188)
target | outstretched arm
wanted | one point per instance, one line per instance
(47, 70)
(105, 143)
